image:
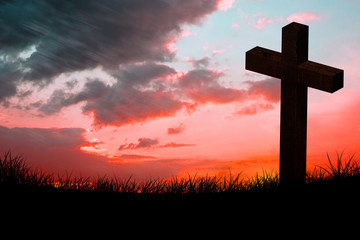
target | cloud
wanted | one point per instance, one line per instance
(187, 33)
(151, 90)
(254, 109)
(52, 149)
(136, 157)
(217, 52)
(119, 106)
(70, 36)
(225, 5)
(151, 143)
(266, 93)
(302, 17)
(139, 94)
(262, 22)
(146, 142)
(268, 88)
(141, 74)
(144, 91)
(259, 21)
(176, 145)
(147, 91)
(9, 78)
(57, 150)
(200, 63)
(235, 25)
(176, 130)
(142, 143)
(49, 138)
(202, 86)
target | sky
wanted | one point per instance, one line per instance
(156, 89)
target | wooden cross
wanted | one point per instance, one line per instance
(296, 74)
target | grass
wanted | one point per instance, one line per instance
(16, 175)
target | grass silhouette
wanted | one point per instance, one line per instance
(17, 176)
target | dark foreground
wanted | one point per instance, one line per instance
(346, 188)
(331, 202)
(333, 185)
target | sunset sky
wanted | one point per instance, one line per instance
(159, 88)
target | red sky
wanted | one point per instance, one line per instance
(161, 90)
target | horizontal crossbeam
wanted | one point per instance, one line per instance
(311, 74)
(264, 61)
(321, 77)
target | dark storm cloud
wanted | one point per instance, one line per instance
(126, 38)
(8, 80)
(77, 35)
(142, 74)
(59, 98)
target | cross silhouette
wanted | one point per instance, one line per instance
(296, 74)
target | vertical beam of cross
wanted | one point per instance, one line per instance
(293, 119)
(297, 74)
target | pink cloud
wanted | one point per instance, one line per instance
(176, 145)
(171, 45)
(216, 52)
(225, 5)
(187, 33)
(206, 46)
(135, 157)
(262, 22)
(268, 88)
(254, 109)
(202, 86)
(2, 116)
(302, 17)
(235, 25)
